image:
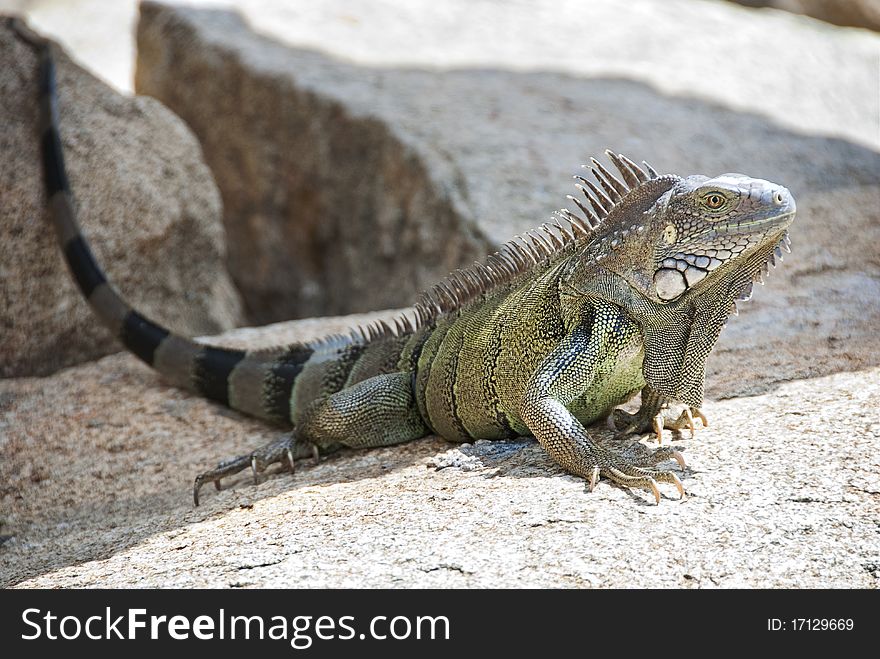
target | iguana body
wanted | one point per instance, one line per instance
(544, 338)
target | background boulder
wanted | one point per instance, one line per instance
(146, 201)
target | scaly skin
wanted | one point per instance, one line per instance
(545, 337)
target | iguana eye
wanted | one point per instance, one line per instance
(714, 201)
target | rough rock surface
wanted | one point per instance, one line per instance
(783, 485)
(784, 491)
(146, 200)
(494, 131)
(320, 198)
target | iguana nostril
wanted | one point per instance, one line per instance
(778, 198)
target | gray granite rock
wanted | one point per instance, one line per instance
(146, 202)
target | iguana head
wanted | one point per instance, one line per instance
(676, 253)
(702, 226)
(674, 238)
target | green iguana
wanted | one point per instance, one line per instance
(544, 337)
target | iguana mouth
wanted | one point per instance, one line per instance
(782, 221)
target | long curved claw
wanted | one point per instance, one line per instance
(594, 477)
(679, 458)
(279, 450)
(658, 423)
(656, 490)
(670, 477)
(701, 416)
(638, 477)
(222, 470)
(675, 481)
(689, 420)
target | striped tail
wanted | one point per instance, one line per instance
(259, 384)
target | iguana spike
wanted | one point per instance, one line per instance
(387, 329)
(778, 251)
(497, 267)
(555, 240)
(524, 251)
(651, 171)
(459, 284)
(634, 168)
(628, 176)
(566, 232)
(601, 203)
(580, 231)
(613, 194)
(568, 216)
(542, 243)
(592, 220)
(467, 281)
(421, 310)
(444, 288)
(512, 263)
(475, 278)
(463, 283)
(608, 181)
(511, 252)
(528, 248)
(585, 223)
(433, 305)
(486, 276)
(474, 281)
(509, 263)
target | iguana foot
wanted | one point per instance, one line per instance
(647, 420)
(283, 450)
(640, 472)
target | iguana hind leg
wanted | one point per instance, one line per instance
(378, 411)
(285, 450)
(654, 414)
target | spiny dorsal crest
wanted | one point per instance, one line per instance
(524, 253)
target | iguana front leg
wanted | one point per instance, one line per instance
(566, 374)
(656, 413)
